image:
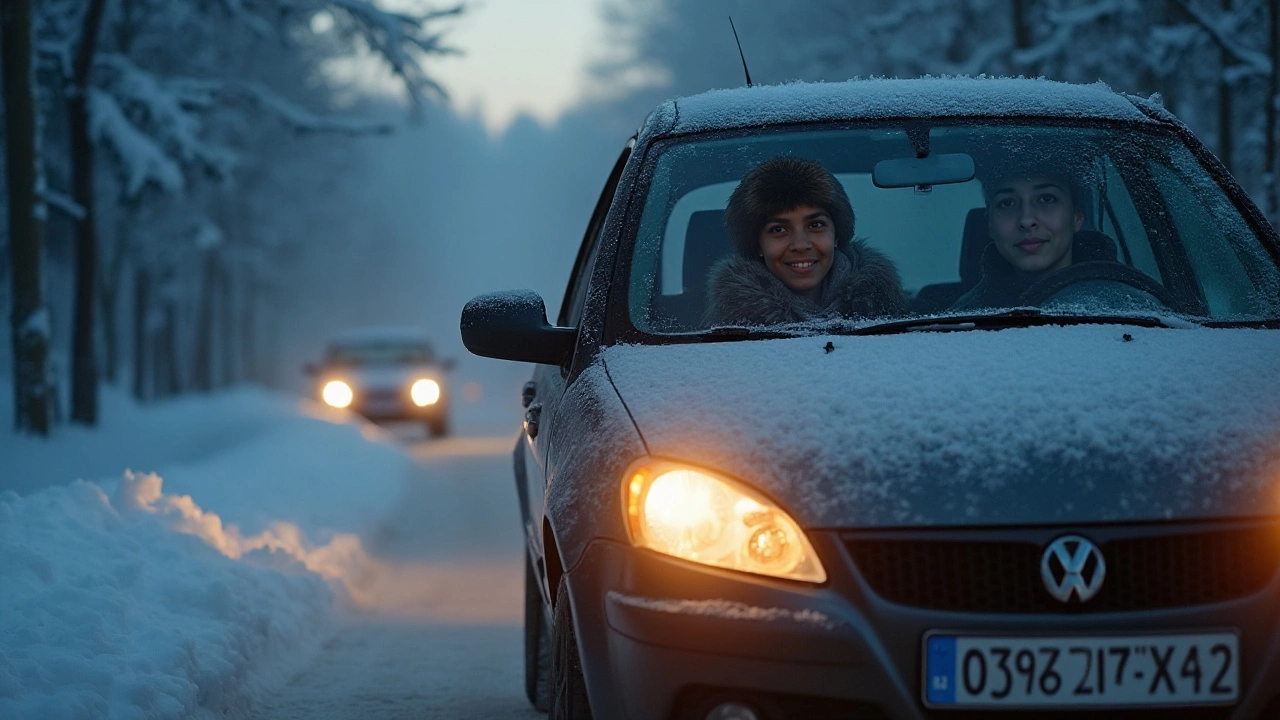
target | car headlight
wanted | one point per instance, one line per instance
(425, 392)
(697, 516)
(337, 393)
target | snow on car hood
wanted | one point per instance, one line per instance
(1050, 424)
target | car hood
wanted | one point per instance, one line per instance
(1035, 425)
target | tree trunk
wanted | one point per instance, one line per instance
(1272, 187)
(1021, 29)
(1225, 139)
(226, 330)
(167, 381)
(141, 333)
(248, 329)
(84, 361)
(110, 341)
(32, 393)
(202, 368)
(109, 289)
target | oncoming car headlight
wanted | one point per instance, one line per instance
(337, 393)
(697, 516)
(425, 392)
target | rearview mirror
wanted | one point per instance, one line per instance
(513, 326)
(942, 169)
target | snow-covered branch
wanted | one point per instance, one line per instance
(304, 121)
(142, 160)
(1223, 29)
(61, 203)
(398, 36)
(1066, 24)
(258, 24)
(167, 108)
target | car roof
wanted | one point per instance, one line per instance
(884, 98)
(379, 334)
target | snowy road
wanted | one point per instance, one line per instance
(444, 637)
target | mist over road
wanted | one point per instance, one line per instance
(444, 636)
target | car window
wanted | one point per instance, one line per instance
(1216, 239)
(1145, 208)
(1119, 218)
(576, 292)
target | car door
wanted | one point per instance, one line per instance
(542, 394)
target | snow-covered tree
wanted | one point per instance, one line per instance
(183, 99)
(1212, 61)
(33, 394)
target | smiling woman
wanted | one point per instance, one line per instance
(792, 225)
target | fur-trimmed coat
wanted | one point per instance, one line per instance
(862, 282)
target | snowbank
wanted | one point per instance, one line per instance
(126, 593)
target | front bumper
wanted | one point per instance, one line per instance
(395, 405)
(662, 638)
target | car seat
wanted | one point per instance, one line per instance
(940, 296)
(706, 240)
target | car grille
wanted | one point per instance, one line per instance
(1146, 572)
(382, 396)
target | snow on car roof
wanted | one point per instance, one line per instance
(926, 97)
(378, 334)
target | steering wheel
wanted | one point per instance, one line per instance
(1043, 290)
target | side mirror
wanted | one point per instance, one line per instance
(513, 326)
(942, 169)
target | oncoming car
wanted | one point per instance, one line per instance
(385, 374)
(1062, 496)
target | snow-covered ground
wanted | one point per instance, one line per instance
(187, 558)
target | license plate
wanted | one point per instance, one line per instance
(1093, 671)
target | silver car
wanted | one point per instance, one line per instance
(1061, 502)
(385, 373)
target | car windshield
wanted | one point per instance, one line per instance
(1141, 228)
(382, 353)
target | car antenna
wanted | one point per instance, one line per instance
(744, 57)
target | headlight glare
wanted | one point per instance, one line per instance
(697, 516)
(425, 392)
(337, 393)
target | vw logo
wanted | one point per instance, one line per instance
(1072, 569)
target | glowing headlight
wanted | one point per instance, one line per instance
(700, 517)
(425, 392)
(337, 393)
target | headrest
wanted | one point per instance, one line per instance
(974, 240)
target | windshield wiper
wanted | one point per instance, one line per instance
(738, 332)
(1264, 323)
(1017, 318)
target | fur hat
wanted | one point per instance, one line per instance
(1022, 159)
(778, 185)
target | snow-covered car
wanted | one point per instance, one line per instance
(1067, 501)
(385, 374)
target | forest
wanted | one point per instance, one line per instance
(172, 166)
